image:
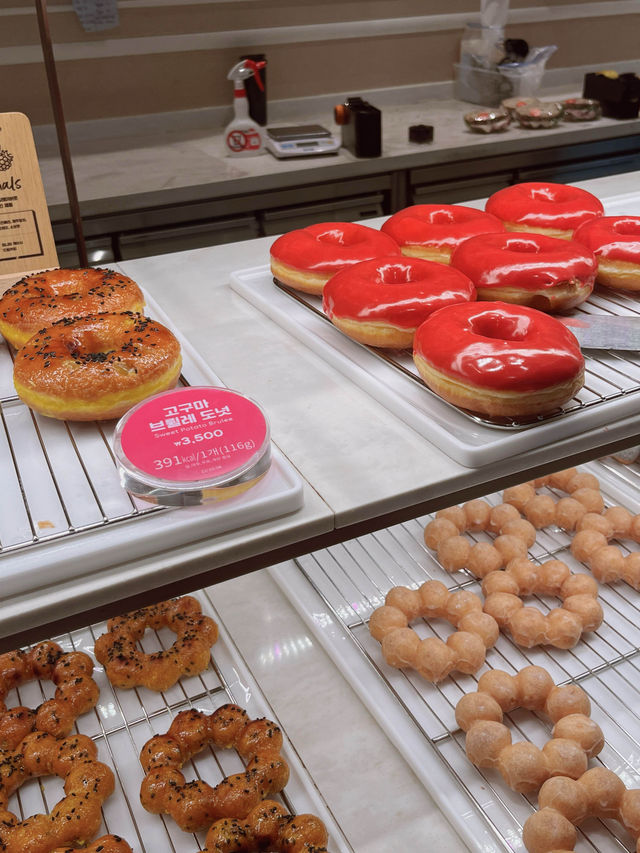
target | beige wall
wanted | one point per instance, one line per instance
(176, 54)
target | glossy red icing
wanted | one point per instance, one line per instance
(396, 290)
(544, 205)
(614, 237)
(443, 226)
(331, 246)
(524, 260)
(499, 346)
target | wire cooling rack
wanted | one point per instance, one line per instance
(338, 588)
(124, 720)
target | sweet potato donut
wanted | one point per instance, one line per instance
(268, 827)
(196, 805)
(382, 302)
(104, 844)
(76, 691)
(615, 241)
(306, 259)
(96, 367)
(547, 208)
(40, 299)
(75, 819)
(528, 269)
(126, 665)
(498, 360)
(434, 231)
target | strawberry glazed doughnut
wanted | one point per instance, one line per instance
(498, 360)
(96, 367)
(615, 241)
(382, 302)
(552, 209)
(528, 269)
(433, 231)
(307, 258)
(41, 299)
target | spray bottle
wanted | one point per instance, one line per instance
(243, 136)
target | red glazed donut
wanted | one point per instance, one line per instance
(615, 241)
(433, 231)
(498, 360)
(528, 269)
(382, 302)
(307, 258)
(552, 209)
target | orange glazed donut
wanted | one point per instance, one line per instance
(382, 302)
(528, 269)
(552, 209)
(268, 827)
(498, 360)
(615, 241)
(96, 367)
(433, 231)
(307, 258)
(41, 299)
(105, 844)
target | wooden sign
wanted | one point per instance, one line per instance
(26, 238)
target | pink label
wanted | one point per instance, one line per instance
(193, 434)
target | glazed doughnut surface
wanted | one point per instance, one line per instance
(434, 231)
(41, 299)
(305, 259)
(615, 241)
(383, 301)
(528, 269)
(548, 208)
(498, 359)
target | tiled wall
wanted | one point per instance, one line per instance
(168, 55)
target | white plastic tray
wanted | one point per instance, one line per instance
(336, 589)
(611, 392)
(62, 506)
(124, 720)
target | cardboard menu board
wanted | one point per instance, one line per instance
(26, 238)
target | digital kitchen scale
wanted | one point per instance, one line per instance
(301, 141)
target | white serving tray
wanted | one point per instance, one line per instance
(611, 389)
(124, 720)
(336, 589)
(62, 506)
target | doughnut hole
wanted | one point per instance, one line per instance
(502, 606)
(566, 796)
(400, 647)
(510, 547)
(595, 521)
(437, 531)
(585, 543)
(583, 730)
(459, 603)
(477, 514)
(524, 573)
(523, 767)
(453, 553)
(546, 831)
(620, 520)
(502, 513)
(582, 480)
(483, 625)
(386, 619)
(477, 706)
(569, 511)
(518, 496)
(485, 741)
(454, 514)
(434, 597)
(521, 528)
(605, 790)
(560, 480)
(405, 599)
(587, 609)
(607, 564)
(565, 700)
(631, 569)
(630, 810)
(534, 684)
(541, 511)
(502, 686)
(434, 660)
(499, 582)
(581, 584)
(591, 499)
(565, 758)
(564, 629)
(483, 559)
(552, 574)
(469, 649)
(528, 627)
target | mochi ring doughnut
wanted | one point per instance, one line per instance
(528, 269)
(499, 360)
(524, 767)
(306, 259)
(382, 302)
(615, 241)
(464, 650)
(433, 231)
(546, 208)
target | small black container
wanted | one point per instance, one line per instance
(361, 127)
(619, 96)
(256, 96)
